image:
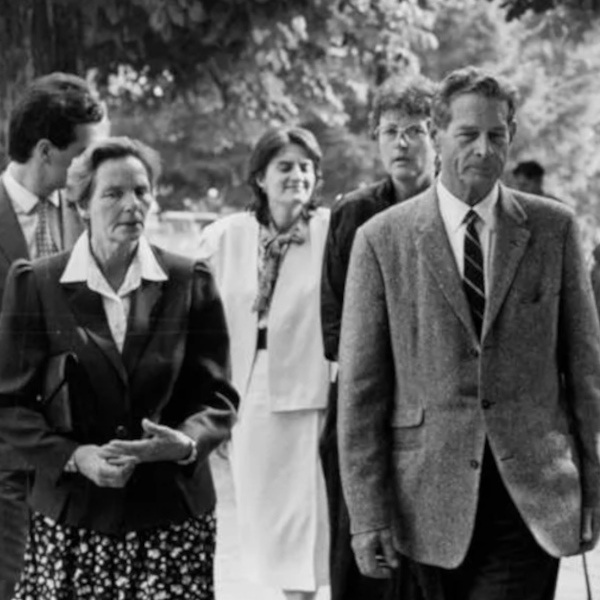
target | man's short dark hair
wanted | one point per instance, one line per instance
(411, 95)
(471, 80)
(51, 108)
(530, 169)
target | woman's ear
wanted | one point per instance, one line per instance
(83, 211)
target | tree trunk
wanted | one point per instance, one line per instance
(36, 37)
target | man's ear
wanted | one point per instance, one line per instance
(434, 135)
(43, 150)
(512, 130)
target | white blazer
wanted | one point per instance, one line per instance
(298, 371)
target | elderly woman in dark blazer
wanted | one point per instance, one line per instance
(123, 498)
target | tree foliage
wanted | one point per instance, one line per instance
(516, 9)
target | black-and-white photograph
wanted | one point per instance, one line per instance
(299, 300)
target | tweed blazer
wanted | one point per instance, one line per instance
(173, 370)
(298, 371)
(420, 394)
(12, 247)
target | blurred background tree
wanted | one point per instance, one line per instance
(201, 80)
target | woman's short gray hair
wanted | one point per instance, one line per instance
(82, 172)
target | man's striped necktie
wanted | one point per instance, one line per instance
(44, 243)
(473, 277)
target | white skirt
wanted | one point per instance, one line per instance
(279, 491)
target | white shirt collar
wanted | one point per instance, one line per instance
(455, 210)
(82, 267)
(23, 200)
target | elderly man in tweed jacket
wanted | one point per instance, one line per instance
(470, 372)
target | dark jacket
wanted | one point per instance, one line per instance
(173, 370)
(12, 247)
(347, 215)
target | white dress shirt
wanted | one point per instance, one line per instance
(454, 211)
(82, 267)
(25, 205)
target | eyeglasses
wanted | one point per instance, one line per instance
(412, 133)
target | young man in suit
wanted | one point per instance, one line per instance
(470, 372)
(401, 108)
(54, 120)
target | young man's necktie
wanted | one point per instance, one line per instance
(44, 243)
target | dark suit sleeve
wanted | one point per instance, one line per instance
(580, 345)
(204, 403)
(333, 278)
(366, 393)
(345, 219)
(23, 352)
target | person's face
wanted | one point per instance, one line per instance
(59, 160)
(473, 148)
(120, 199)
(404, 146)
(289, 178)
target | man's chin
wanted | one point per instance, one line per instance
(402, 171)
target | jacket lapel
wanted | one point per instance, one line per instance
(89, 311)
(142, 314)
(12, 240)
(434, 247)
(511, 242)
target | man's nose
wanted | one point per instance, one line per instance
(401, 139)
(482, 145)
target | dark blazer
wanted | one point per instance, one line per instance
(420, 394)
(12, 247)
(348, 213)
(173, 370)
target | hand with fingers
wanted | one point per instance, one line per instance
(160, 443)
(376, 553)
(94, 463)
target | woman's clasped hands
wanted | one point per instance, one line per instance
(112, 464)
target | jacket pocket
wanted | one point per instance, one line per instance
(408, 431)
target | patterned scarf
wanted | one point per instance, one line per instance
(272, 246)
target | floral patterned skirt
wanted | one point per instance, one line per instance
(69, 563)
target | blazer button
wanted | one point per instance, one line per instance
(474, 352)
(485, 404)
(122, 432)
(474, 464)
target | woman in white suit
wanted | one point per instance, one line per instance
(267, 263)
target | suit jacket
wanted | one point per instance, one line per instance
(420, 394)
(12, 247)
(173, 370)
(298, 371)
(347, 215)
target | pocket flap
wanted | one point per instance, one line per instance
(408, 416)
